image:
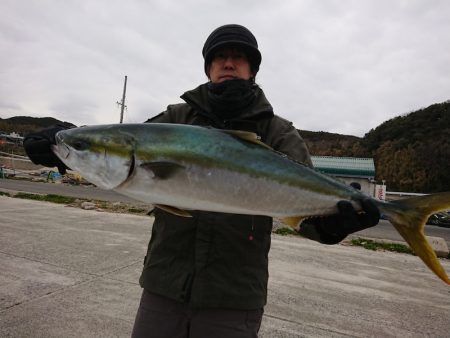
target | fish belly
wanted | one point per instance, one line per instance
(227, 191)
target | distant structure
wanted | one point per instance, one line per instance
(354, 171)
(122, 103)
(12, 138)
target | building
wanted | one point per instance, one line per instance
(12, 138)
(349, 170)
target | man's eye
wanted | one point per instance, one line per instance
(239, 56)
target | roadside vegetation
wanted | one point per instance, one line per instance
(362, 242)
(47, 198)
(285, 232)
(381, 246)
(118, 207)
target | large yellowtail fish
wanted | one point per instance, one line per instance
(181, 167)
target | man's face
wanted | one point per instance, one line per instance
(229, 63)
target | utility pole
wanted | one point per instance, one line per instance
(122, 104)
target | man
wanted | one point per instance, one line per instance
(206, 276)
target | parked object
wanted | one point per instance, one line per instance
(440, 219)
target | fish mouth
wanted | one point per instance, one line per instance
(61, 149)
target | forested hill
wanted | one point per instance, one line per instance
(425, 124)
(411, 152)
(25, 124)
(321, 143)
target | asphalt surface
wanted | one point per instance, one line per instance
(68, 272)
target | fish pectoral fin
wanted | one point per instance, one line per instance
(293, 221)
(162, 169)
(173, 210)
(246, 136)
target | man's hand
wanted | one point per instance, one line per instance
(38, 147)
(333, 229)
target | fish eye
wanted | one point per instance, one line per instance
(80, 145)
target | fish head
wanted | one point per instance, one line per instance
(103, 156)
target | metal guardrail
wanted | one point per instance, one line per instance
(400, 193)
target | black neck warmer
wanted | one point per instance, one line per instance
(229, 99)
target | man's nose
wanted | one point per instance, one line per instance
(228, 62)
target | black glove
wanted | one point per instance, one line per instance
(333, 229)
(38, 147)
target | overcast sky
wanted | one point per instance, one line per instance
(338, 66)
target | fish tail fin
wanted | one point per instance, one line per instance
(409, 216)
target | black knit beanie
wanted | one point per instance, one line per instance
(232, 35)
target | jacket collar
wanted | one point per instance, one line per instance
(198, 99)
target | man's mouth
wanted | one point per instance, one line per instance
(227, 77)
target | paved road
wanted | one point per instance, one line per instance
(383, 231)
(68, 272)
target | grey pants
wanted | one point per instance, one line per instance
(160, 317)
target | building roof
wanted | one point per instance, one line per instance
(345, 166)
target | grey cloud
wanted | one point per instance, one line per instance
(329, 65)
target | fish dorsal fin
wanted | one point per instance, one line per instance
(293, 221)
(247, 136)
(162, 169)
(173, 210)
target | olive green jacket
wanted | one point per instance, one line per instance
(217, 260)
